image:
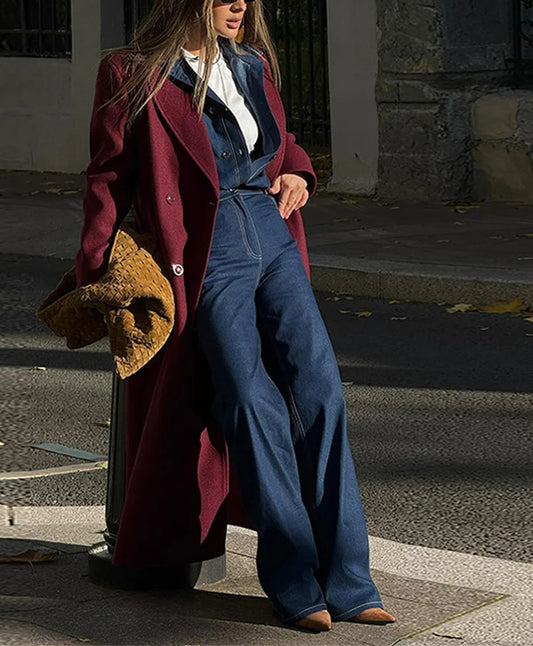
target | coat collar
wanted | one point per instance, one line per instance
(174, 104)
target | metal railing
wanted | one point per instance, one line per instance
(134, 11)
(299, 30)
(522, 61)
(38, 28)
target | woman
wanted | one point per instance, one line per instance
(188, 125)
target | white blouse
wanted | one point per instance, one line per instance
(221, 81)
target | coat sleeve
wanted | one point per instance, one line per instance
(110, 175)
(296, 160)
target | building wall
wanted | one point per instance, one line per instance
(46, 102)
(436, 58)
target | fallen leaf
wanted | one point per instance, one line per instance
(504, 307)
(71, 192)
(529, 319)
(460, 307)
(358, 314)
(398, 318)
(346, 200)
(55, 190)
(29, 556)
(2, 443)
(526, 235)
(393, 302)
(38, 368)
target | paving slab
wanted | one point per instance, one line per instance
(55, 602)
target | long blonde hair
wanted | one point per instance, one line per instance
(158, 40)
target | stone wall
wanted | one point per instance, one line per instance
(503, 154)
(436, 58)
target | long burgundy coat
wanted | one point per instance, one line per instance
(178, 494)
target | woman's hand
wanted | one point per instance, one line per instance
(293, 193)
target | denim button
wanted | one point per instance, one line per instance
(177, 270)
(233, 190)
(226, 154)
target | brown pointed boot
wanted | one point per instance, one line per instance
(317, 621)
(373, 616)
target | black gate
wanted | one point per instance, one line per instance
(299, 30)
(523, 42)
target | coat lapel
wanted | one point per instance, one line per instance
(174, 104)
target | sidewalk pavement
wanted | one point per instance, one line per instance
(454, 252)
(430, 252)
(439, 597)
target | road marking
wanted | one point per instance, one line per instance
(55, 471)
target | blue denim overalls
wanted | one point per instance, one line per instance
(278, 394)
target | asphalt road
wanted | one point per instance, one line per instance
(440, 411)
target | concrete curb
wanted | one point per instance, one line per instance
(418, 282)
(413, 561)
(36, 516)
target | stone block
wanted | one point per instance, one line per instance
(418, 91)
(525, 120)
(409, 129)
(503, 173)
(387, 90)
(495, 116)
(409, 177)
(403, 54)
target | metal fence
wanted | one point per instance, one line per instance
(299, 30)
(522, 61)
(39, 28)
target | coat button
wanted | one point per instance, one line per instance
(177, 270)
(226, 154)
(170, 198)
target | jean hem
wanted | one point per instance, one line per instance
(303, 613)
(353, 611)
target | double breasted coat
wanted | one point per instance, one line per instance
(178, 494)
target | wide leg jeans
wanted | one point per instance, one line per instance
(285, 426)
